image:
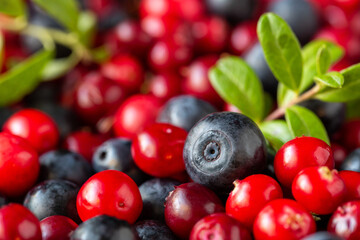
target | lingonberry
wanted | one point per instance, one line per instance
(158, 150)
(17, 222)
(345, 221)
(314, 186)
(189, 10)
(35, 127)
(223, 147)
(160, 27)
(298, 154)
(124, 70)
(347, 5)
(152, 229)
(158, 8)
(352, 161)
(19, 165)
(250, 195)
(350, 134)
(135, 114)
(339, 153)
(219, 226)
(352, 183)
(283, 219)
(109, 192)
(243, 37)
(57, 227)
(165, 85)
(198, 201)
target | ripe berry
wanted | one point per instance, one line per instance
(283, 219)
(151, 229)
(299, 153)
(314, 186)
(109, 192)
(198, 202)
(352, 183)
(250, 195)
(219, 226)
(19, 165)
(243, 37)
(17, 222)
(165, 86)
(57, 227)
(35, 127)
(223, 147)
(344, 222)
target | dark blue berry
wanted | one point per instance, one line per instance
(352, 162)
(104, 227)
(185, 111)
(223, 147)
(153, 230)
(323, 235)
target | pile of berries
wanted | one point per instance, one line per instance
(141, 146)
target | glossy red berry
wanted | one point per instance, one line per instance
(158, 8)
(57, 228)
(34, 126)
(187, 204)
(340, 154)
(160, 27)
(17, 222)
(112, 193)
(243, 37)
(135, 114)
(165, 86)
(158, 150)
(190, 10)
(19, 165)
(250, 195)
(298, 154)
(345, 221)
(219, 226)
(352, 183)
(283, 219)
(319, 189)
(350, 134)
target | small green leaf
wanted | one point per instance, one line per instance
(238, 84)
(323, 60)
(22, 79)
(276, 132)
(285, 95)
(281, 50)
(58, 67)
(65, 11)
(303, 122)
(331, 79)
(86, 28)
(349, 91)
(14, 8)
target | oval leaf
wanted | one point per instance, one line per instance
(276, 132)
(323, 60)
(303, 122)
(58, 67)
(23, 78)
(331, 79)
(14, 8)
(238, 84)
(86, 28)
(281, 50)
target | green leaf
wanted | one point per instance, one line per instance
(303, 122)
(285, 95)
(86, 28)
(238, 84)
(64, 11)
(100, 54)
(331, 79)
(22, 79)
(349, 91)
(58, 67)
(323, 60)
(276, 132)
(281, 50)
(309, 52)
(14, 8)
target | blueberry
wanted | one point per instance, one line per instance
(323, 235)
(115, 154)
(185, 111)
(300, 15)
(153, 230)
(66, 165)
(352, 162)
(223, 147)
(331, 114)
(256, 60)
(153, 193)
(5, 113)
(53, 197)
(233, 10)
(104, 227)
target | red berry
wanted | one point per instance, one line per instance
(112, 193)
(158, 8)
(283, 219)
(190, 10)
(187, 204)
(347, 5)
(57, 228)
(160, 27)
(339, 153)
(17, 222)
(243, 37)
(135, 114)
(219, 226)
(34, 126)
(352, 183)
(250, 195)
(158, 150)
(298, 154)
(19, 165)
(319, 189)
(345, 221)
(350, 135)
(165, 86)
